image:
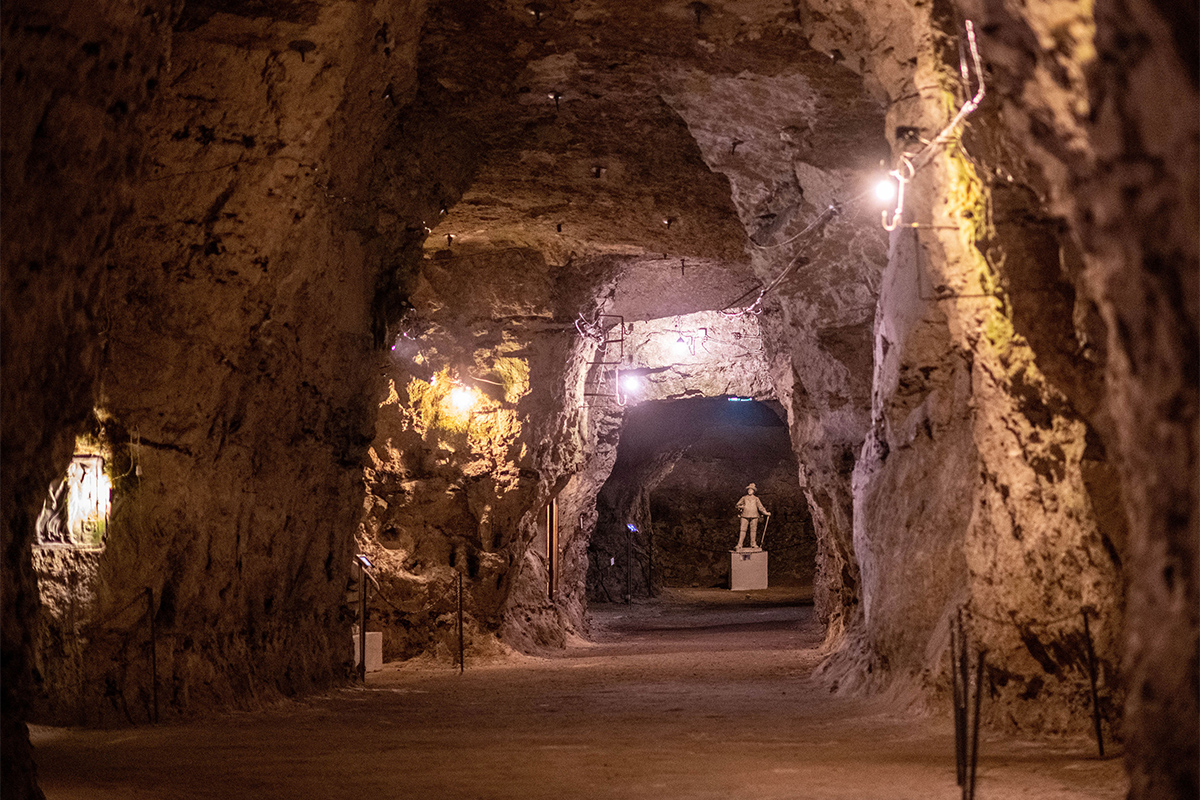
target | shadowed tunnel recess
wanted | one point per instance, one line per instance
(681, 466)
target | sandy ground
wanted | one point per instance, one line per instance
(706, 695)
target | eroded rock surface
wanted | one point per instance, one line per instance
(334, 276)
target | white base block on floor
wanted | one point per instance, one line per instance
(374, 651)
(747, 570)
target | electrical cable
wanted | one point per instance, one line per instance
(1025, 624)
(110, 617)
(756, 306)
(907, 169)
(913, 162)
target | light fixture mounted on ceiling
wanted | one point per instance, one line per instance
(537, 11)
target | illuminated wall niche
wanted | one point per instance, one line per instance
(75, 513)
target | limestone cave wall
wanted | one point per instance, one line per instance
(261, 248)
(74, 89)
(1072, 243)
(971, 491)
(225, 330)
(459, 488)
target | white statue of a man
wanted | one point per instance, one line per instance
(749, 509)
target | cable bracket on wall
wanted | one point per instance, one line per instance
(911, 162)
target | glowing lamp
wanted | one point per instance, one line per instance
(462, 399)
(681, 346)
(631, 383)
(885, 190)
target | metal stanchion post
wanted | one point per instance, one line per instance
(629, 565)
(975, 726)
(461, 650)
(958, 691)
(362, 624)
(1091, 663)
(363, 562)
(964, 681)
(153, 651)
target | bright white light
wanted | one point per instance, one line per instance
(681, 346)
(885, 190)
(88, 501)
(631, 383)
(462, 399)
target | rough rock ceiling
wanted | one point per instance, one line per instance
(671, 138)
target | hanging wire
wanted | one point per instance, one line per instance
(589, 328)
(135, 455)
(904, 173)
(969, 105)
(756, 306)
(801, 234)
(909, 164)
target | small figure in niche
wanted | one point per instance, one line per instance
(750, 508)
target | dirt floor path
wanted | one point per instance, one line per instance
(706, 695)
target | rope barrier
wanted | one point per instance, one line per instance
(1026, 624)
(98, 623)
(909, 164)
(429, 605)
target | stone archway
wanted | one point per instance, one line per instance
(680, 466)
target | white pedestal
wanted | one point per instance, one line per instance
(374, 650)
(747, 570)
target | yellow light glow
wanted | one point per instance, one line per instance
(462, 399)
(88, 499)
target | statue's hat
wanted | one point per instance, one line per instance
(752, 486)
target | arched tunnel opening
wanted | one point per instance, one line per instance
(681, 467)
(449, 336)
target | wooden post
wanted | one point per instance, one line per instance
(552, 548)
